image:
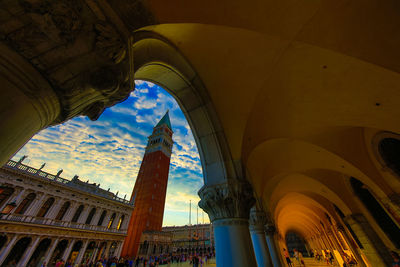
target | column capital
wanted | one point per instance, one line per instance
(270, 229)
(232, 199)
(257, 219)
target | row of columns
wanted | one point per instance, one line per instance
(24, 260)
(359, 237)
(20, 193)
(238, 242)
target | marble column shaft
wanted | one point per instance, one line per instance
(270, 231)
(28, 252)
(257, 232)
(7, 248)
(228, 206)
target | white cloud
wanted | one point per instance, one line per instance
(109, 151)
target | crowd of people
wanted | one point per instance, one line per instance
(320, 256)
(196, 260)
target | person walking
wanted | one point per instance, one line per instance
(287, 257)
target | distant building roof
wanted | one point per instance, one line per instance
(74, 183)
(165, 120)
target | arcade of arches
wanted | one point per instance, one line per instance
(293, 104)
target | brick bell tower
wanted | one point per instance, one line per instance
(150, 188)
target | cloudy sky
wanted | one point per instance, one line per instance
(109, 151)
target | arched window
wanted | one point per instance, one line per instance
(63, 210)
(25, 203)
(77, 214)
(378, 213)
(17, 251)
(121, 220)
(103, 214)
(45, 207)
(5, 193)
(111, 221)
(90, 216)
(39, 252)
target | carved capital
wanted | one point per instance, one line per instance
(270, 229)
(95, 91)
(232, 199)
(81, 48)
(257, 219)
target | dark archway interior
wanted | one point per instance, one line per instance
(5, 193)
(58, 251)
(389, 148)
(380, 215)
(17, 251)
(38, 254)
(294, 241)
(3, 240)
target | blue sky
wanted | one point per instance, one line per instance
(109, 151)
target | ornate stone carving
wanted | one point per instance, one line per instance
(232, 199)
(270, 229)
(77, 48)
(257, 219)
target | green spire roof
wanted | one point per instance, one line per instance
(165, 120)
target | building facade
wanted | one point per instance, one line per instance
(178, 240)
(150, 189)
(45, 218)
(293, 105)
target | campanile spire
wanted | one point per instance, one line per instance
(150, 188)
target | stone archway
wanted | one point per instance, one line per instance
(17, 251)
(226, 195)
(38, 255)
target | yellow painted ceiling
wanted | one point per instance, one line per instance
(295, 85)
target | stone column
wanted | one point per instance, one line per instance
(21, 195)
(270, 233)
(28, 252)
(7, 248)
(348, 241)
(116, 221)
(95, 251)
(125, 223)
(14, 197)
(257, 222)
(392, 206)
(228, 206)
(373, 247)
(36, 205)
(51, 250)
(84, 214)
(107, 218)
(28, 103)
(71, 211)
(55, 208)
(117, 252)
(96, 217)
(81, 252)
(68, 250)
(107, 249)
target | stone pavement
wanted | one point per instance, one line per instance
(308, 262)
(312, 262)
